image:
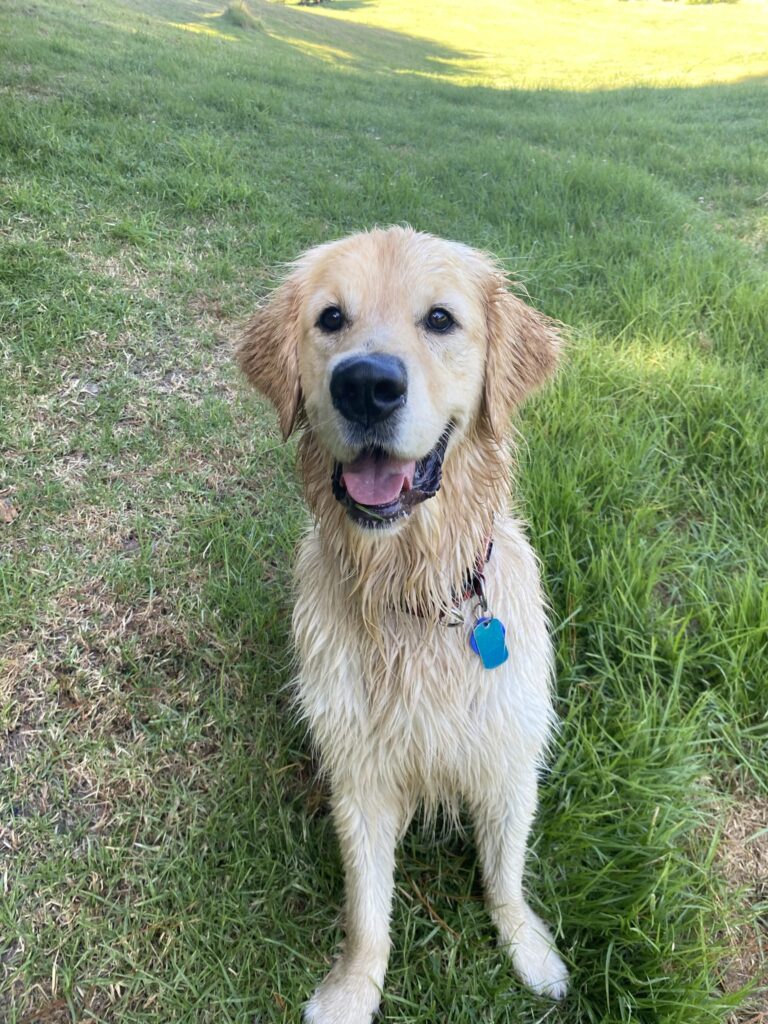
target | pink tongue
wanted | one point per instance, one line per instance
(376, 481)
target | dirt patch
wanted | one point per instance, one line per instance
(54, 1012)
(207, 307)
(743, 860)
(50, 1010)
(8, 511)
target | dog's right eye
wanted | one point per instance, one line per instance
(331, 319)
(439, 320)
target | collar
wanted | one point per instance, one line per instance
(473, 586)
(474, 580)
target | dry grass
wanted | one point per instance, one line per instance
(743, 860)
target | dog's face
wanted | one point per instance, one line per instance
(396, 344)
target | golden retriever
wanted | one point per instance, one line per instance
(402, 356)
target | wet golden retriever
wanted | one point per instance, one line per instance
(401, 357)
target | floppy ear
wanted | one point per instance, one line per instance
(523, 350)
(268, 353)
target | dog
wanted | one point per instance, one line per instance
(425, 663)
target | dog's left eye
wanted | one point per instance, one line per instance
(331, 319)
(439, 319)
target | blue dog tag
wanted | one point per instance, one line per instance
(487, 641)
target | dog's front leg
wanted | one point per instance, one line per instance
(503, 819)
(368, 822)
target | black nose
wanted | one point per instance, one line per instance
(368, 389)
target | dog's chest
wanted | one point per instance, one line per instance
(411, 694)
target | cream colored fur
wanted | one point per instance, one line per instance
(400, 709)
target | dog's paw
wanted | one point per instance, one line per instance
(345, 997)
(536, 960)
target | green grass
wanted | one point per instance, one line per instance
(563, 44)
(239, 14)
(165, 854)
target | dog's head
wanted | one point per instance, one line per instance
(393, 345)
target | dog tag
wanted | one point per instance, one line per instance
(487, 641)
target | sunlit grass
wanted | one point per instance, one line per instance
(579, 44)
(203, 30)
(324, 52)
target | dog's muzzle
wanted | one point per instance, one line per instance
(378, 490)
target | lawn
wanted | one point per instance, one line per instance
(165, 849)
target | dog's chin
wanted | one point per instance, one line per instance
(393, 512)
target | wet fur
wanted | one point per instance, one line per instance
(400, 710)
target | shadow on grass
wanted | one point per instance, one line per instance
(366, 47)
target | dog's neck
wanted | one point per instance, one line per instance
(422, 565)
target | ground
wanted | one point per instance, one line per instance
(165, 848)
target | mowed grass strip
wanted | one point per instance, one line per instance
(166, 851)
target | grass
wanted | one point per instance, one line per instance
(561, 44)
(166, 853)
(239, 14)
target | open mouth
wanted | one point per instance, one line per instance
(377, 490)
